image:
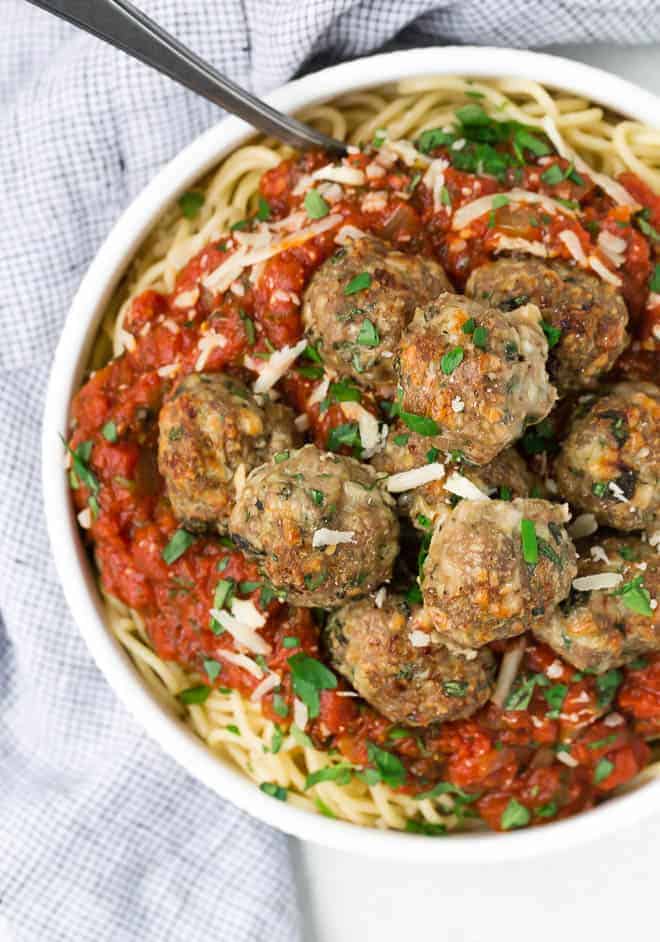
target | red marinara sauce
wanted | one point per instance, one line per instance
(571, 737)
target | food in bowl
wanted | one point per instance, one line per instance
(314, 372)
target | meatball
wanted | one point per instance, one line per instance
(609, 462)
(482, 582)
(211, 433)
(591, 314)
(321, 526)
(409, 684)
(603, 628)
(476, 374)
(506, 476)
(358, 328)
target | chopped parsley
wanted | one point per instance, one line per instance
(280, 705)
(480, 337)
(277, 738)
(290, 642)
(654, 284)
(263, 209)
(428, 828)
(514, 815)
(309, 678)
(469, 325)
(530, 547)
(197, 694)
(635, 597)
(190, 203)
(603, 769)
(341, 774)
(553, 175)
(347, 435)
(359, 283)
(607, 685)
(109, 432)
(420, 423)
(212, 668)
(548, 810)
(391, 769)
(451, 360)
(499, 200)
(317, 496)
(401, 440)
(455, 688)
(315, 206)
(368, 336)
(274, 790)
(178, 544)
(555, 697)
(552, 334)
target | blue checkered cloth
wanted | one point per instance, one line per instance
(102, 837)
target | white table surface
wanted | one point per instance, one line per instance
(591, 892)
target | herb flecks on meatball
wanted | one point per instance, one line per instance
(399, 671)
(321, 526)
(602, 628)
(585, 317)
(609, 463)
(494, 568)
(359, 301)
(211, 432)
(475, 374)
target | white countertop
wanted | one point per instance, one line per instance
(595, 890)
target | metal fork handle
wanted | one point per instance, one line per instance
(122, 25)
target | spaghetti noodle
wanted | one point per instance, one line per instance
(231, 723)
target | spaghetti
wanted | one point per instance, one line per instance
(280, 755)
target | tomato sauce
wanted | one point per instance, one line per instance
(554, 755)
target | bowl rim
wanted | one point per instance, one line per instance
(72, 563)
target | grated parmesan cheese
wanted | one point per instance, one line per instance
(209, 342)
(617, 492)
(419, 639)
(515, 244)
(241, 660)
(380, 596)
(348, 234)
(242, 623)
(583, 525)
(416, 477)
(325, 537)
(599, 555)
(479, 207)
(279, 363)
(596, 265)
(187, 298)
(269, 683)
(372, 436)
(613, 189)
(600, 580)
(461, 486)
(85, 518)
(567, 759)
(574, 246)
(342, 174)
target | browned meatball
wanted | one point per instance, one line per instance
(321, 526)
(590, 313)
(609, 463)
(417, 684)
(475, 374)
(480, 581)
(358, 302)
(212, 432)
(599, 629)
(506, 476)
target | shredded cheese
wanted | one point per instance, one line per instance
(269, 683)
(461, 486)
(300, 713)
(508, 671)
(600, 580)
(325, 537)
(279, 363)
(209, 342)
(515, 244)
(583, 525)
(342, 174)
(479, 207)
(257, 247)
(613, 189)
(574, 246)
(241, 660)
(419, 639)
(242, 624)
(416, 477)
(603, 271)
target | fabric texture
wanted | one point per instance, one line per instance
(102, 836)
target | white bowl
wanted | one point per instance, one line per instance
(71, 356)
